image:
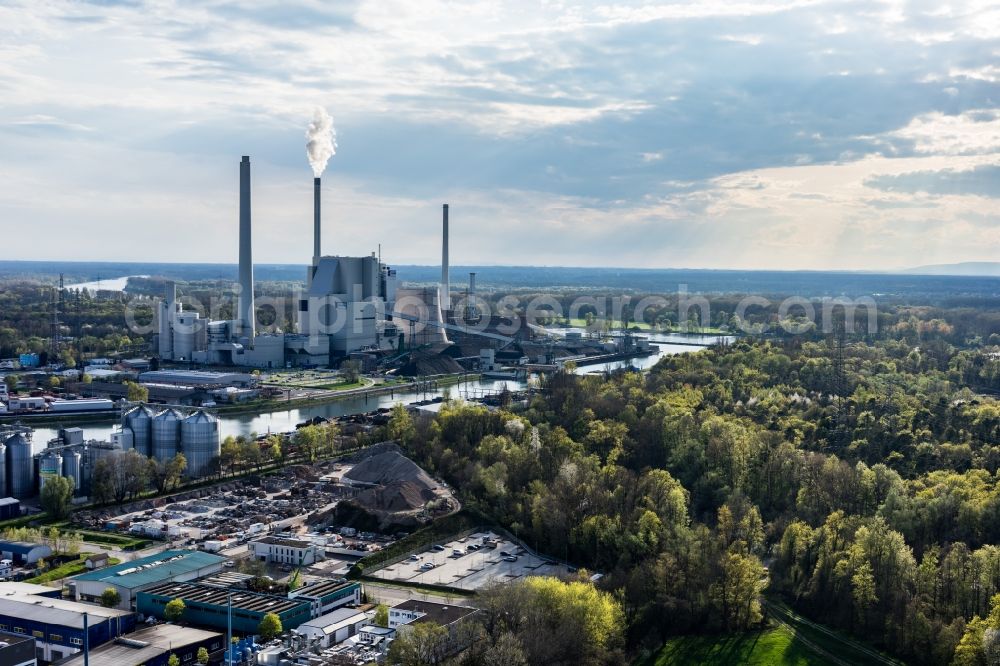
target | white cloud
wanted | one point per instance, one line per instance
(973, 132)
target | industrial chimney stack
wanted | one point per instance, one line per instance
(445, 296)
(316, 224)
(245, 313)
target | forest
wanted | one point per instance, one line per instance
(855, 480)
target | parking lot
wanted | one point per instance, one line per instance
(458, 564)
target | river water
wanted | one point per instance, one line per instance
(286, 420)
(110, 284)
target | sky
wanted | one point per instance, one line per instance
(756, 134)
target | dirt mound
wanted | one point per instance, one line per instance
(396, 496)
(388, 467)
(420, 366)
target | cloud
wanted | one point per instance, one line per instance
(678, 133)
(972, 132)
(44, 122)
(983, 180)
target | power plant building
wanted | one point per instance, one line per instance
(349, 305)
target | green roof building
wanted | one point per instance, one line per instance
(129, 578)
(208, 606)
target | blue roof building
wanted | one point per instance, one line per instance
(58, 625)
(23, 552)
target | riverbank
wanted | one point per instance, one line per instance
(257, 407)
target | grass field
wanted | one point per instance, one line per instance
(72, 568)
(769, 647)
(107, 539)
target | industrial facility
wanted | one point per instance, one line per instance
(130, 578)
(60, 627)
(350, 304)
(164, 434)
(26, 465)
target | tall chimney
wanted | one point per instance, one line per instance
(470, 307)
(316, 224)
(445, 296)
(245, 314)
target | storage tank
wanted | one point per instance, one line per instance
(50, 465)
(200, 441)
(166, 434)
(71, 469)
(3, 470)
(20, 467)
(139, 421)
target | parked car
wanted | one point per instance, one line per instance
(457, 552)
(438, 548)
(426, 566)
(414, 558)
(510, 558)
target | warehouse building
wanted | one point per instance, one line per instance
(152, 646)
(333, 628)
(57, 625)
(129, 578)
(325, 596)
(404, 616)
(208, 606)
(17, 650)
(198, 378)
(296, 552)
(24, 552)
(9, 508)
(10, 588)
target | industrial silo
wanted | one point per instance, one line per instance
(20, 467)
(166, 434)
(71, 468)
(50, 465)
(139, 421)
(3, 471)
(200, 441)
(123, 439)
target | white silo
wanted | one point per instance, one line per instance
(20, 467)
(139, 421)
(166, 434)
(200, 441)
(50, 465)
(71, 468)
(3, 471)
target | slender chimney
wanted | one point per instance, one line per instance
(445, 296)
(316, 224)
(470, 308)
(245, 314)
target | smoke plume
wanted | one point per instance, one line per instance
(321, 142)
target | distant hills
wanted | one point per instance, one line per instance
(965, 268)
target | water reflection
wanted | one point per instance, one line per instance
(286, 420)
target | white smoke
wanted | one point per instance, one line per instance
(322, 140)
